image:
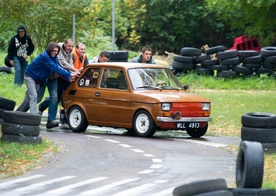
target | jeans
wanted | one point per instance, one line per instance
(20, 65)
(31, 95)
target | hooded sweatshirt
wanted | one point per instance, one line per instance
(19, 46)
(44, 65)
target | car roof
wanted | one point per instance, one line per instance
(125, 65)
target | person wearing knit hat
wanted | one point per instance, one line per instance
(20, 47)
(38, 72)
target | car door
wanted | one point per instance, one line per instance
(113, 100)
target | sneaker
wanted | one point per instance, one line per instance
(64, 126)
(51, 124)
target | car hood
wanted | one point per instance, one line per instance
(156, 96)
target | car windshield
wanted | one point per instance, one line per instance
(153, 78)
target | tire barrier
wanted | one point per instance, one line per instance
(18, 126)
(5, 69)
(226, 63)
(118, 56)
(259, 127)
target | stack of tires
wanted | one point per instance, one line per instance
(18, 126)
(269, 60)
(118, 56)
(251, 61)
(229, 60)
(249, 177)
(259, 127)
(185, 61)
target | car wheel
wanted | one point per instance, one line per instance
(77, 120)
(250, 165)
(198, 187)
(143, 124)
(197, 132)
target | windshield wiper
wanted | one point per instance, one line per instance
(148, 86)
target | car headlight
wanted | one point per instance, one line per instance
(166, 106)
(206, 106)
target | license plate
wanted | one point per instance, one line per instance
(193, 125)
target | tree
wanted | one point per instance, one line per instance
(253, 17)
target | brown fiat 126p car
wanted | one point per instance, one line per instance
(142, 98)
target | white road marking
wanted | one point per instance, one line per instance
(112, 141)
(13, 182)
(108, 187)
(157, 160)
(137, 150)
(147, 171)
(213, 144)
(156, 166)
(71, 186)
(125, 145)
(96, 137)
(149, 155)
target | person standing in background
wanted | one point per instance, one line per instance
(145, 57)
(20, 47)
(103, 57)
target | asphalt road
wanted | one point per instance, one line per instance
(105, 161)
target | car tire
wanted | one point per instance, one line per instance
(5, 69)
(19, 129)
(250, 192)
(259, 120)
(243, 70)
(227, 54)
(197, 132)
(202, 186)
(216, 193)
(252, 65)
(201, 58)
(262, 135)
(204, 71)
(209, 63)
(250, 165)
(220, 67)
(247, 53)
(253, 59)
(21, 139)
(183, 59)
(215, 49)
(7, 104)
(227, 74)
(190, 51)
(268, 51)
(77, 120)
(267, 71)
(24, 118)
(231, 61)
(118, 55)
(143, 124)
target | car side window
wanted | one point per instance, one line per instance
(90, 78)
(115, 79)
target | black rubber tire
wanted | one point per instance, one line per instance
(201, 58)
(262, 135)
(267, 71)
(252, 65)
(77, 119)
(24, 118)
(259, 120)
(204, 71)
(1, 112)
(243, 70)
(209, 63)
(198, 132)
(247, 53)
(115, 60)
(220, 67)
(7, 104)
(250, 165)
(177, 65)
(183, 59)
(252, 192)
(118, 55)
(5, 69)
(269, 65)
(227, 54)
(19, 129)
(199, 187)
(268, 51)
(188, 66)
(270, 59)
(190, 51)
(143, 124)
(21, 139)
(227, 74)
(216, 193)
(253, 59)
(231, 61)
(215, 49)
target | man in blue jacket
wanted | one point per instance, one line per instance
(38, 72)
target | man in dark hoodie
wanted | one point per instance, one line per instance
(145, 57)
(39, 71)
(20, 47)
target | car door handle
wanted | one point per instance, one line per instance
(97, 94)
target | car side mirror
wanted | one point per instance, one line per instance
(186, 87)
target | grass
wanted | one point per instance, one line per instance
(230, 99)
